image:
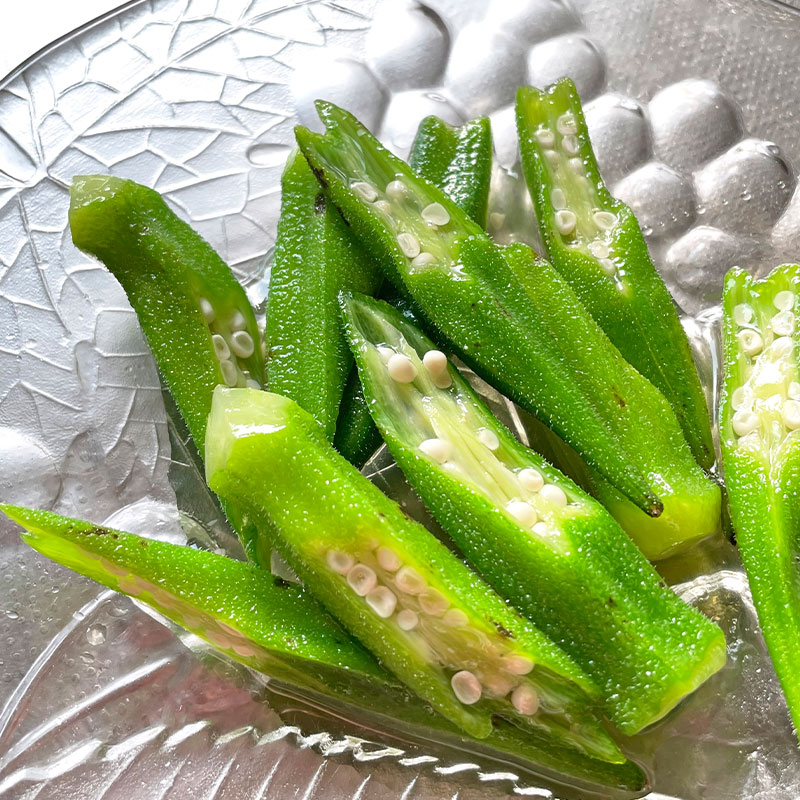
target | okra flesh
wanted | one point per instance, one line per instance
(760, 439)
(645, 422)
(459, 281)
(315, 258)
(545, 545)
(595, 242)
(275, 627)
(431, 621)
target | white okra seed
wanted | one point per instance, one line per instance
(576, 165)
(252, 383)
(741, 398)
(388, 559)
(407, 619)
(784, 301)
(396, 190)
(238, 322)
(604, 220)
(409, 244)
(517, 665)
(531, 479)
(220, 346)
(558, 199)
(383, 207)
(783, 323)
(541, 529)
(229, 372)
(435, 214)
(382, 601)
(567, 124)
(523, 512)
(207, 310)
(553, 157)
(742, 314)
(598, 249)
(497, 685)
(362, 579)
(466, 687)
(365, 190)
(435, 361)
(488, 438)
(385, 353)
(242, 344)
(525, 699)
(744, 422)
(401, 368)
(571, 144)
(408, 580)
(750, 341)
(455, 618)
(565, 221)
(423, 260)
(433, 602)
(607, 266)
(790, 412)
(782, 346)
(794, 390)
(339, 562)
(437, 449)
(545, 137)
(554, 495)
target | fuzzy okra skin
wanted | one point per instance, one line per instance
(460, 282)
(547, 547)
(315, 258)
(760, 438)
(430, 621)
(275, 627)
(595, 242)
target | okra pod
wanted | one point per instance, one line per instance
(460, 282)
(758, 426)
(430, 621)
(547, 547)
(595, 242)
(315, 258)
(275, 627)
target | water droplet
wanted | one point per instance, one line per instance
(12, 615)
(268, 154)
(96, 634)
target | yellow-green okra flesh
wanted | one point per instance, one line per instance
(275, 627)
(759, 432)
(430, 621)
(315, 258)
(547, 547)
(458, 280)
(595, 242)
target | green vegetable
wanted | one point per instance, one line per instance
(459, 162)
(392, 584)
(759, 422)
(596, 244)
(544, 545)
(272, 626)
(315, 258)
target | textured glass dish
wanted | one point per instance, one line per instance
(692, 110)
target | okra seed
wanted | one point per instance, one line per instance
(740, 398)
(242, 344)
(784, 301)
(565, 221)
(340, 562)
(598, 249)
(408, 580)
(407, 619)
(554, 495)
(466, 687)
(567, 124)
(553, 157)
(437, 449)
(488, 438)
(220, 346)
(455, 618)
(423, 260)
(782, 346)
(608, 266)
(558, 199)
(571, 145)
(576, 165)
(251, 383)
(382, 601)
(783, 323)
(388, 559)
(433, 602)
(517, 665)
(383, 207)
(545, 137)
(531, 479)
(401, 368)
(396, 190)
(229, 372)
(523, 512)
(498, 685)
(744, 422)
(435, 214)
(604, 220)
(409, 244)
(238, 322)
(794, 390)
(362, 579)
(207, 310)
(541, 529)
(791, 414)
(435, 361)
(742, 314)
(442, 381)
(525, 699)
(750, 342)
(385, 353)
(365, 190)
(751, 441)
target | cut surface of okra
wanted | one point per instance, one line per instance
(760, 439)
(275, 627)
(547, 547)
(595, 242)
(428, 619)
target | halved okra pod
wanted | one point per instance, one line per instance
(315, 258)
(275, 627)
(759, 430)
(596, 244)
(459, 162)
(547, 547)
(430, 621)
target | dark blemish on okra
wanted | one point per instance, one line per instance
(620, 399)
(503, 631)
(320, 204)
(319, 175)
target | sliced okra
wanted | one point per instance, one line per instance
(315, 258)
(428, 619)
(275, 627)
(759, 424)
(547, 547)
(595, 242)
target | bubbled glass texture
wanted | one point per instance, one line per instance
(692, 112)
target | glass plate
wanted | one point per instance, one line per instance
(690, 106)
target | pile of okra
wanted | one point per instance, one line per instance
(533, 626)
